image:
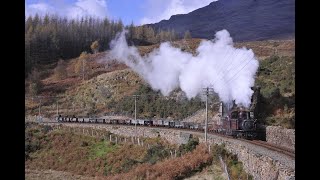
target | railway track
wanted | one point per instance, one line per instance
(273, 147)
(282, 150)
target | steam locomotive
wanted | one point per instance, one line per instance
(238, 122)
(241, 121)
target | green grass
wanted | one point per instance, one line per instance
(102, 148)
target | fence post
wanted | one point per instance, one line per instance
(110, 138)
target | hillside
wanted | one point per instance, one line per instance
(59, 153)
(108, 87)
(246, 20)
(78, 154)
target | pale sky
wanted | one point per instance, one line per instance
(136, 11)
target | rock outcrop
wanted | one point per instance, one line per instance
(281, 136)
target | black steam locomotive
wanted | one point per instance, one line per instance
(240, 121)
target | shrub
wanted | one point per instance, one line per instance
(176, 168)
(60, 72)
(156, 153)
(35, 82)
(95, 47)
(154, 104)
(190, 146)
(84, 144)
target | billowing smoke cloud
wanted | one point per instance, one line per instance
(228, 70)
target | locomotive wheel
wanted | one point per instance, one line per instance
(239, 135)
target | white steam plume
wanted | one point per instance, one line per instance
(228, 70)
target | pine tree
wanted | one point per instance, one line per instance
(35, 82)
(60, 71)
(187, 35)
(81, 67)
(131, 31)
(150, 35)
(52, 37)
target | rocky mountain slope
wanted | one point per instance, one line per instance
(246, 20)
